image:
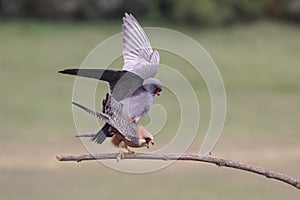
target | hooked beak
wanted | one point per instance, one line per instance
(147, 144)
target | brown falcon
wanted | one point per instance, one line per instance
(124, 132)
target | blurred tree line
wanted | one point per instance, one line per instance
(201, 12)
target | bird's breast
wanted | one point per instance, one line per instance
(118, 138)
(137, 106)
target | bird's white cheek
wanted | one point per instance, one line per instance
(142, 142)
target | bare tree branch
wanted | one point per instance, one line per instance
(188, 157)
(86, 135)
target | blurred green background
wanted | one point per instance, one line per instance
(255, 44)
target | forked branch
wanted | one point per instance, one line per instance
(188, 157)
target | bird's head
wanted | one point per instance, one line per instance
(145, 142)
(153, 86)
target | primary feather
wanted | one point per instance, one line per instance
(138, 54)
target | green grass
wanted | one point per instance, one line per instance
(260, 67)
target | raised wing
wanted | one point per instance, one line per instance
(138, 54)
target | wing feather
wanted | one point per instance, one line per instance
(137, 50)
(126, 128)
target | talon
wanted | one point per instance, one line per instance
(120, 156)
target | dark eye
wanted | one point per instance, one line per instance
(157, 92)
(147, 139)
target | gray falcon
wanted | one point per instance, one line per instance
(134, 86)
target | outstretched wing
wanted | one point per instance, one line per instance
(122, 84)
(95, 114)
(138, 54)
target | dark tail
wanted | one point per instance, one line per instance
(102, 134)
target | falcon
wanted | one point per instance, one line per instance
(134, 86)
(123, 132)
(127, 88)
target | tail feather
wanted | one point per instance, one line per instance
(102, 134)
